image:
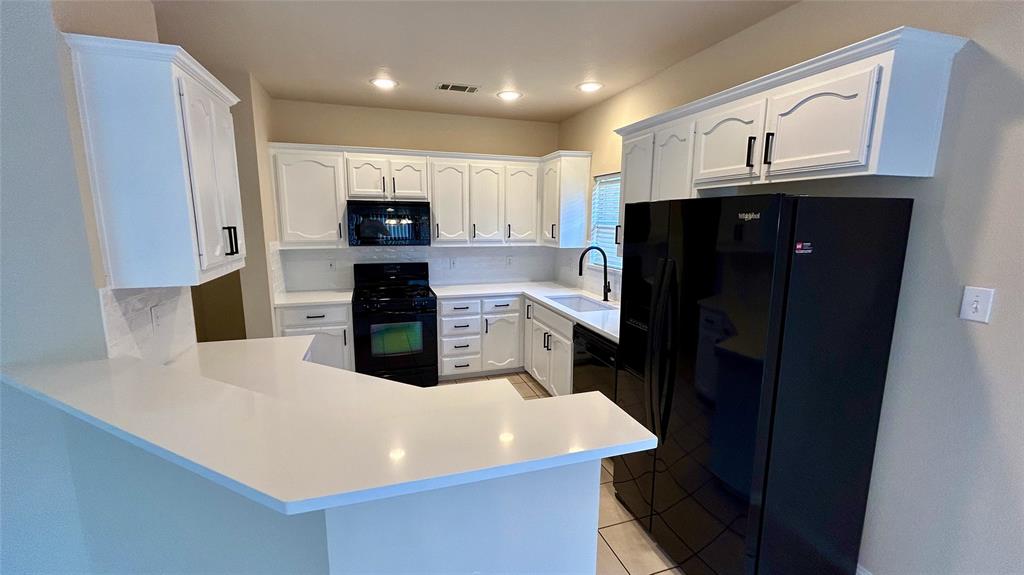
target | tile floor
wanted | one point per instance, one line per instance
(623, 547)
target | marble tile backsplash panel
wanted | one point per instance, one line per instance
(305, 270)
(128, 320)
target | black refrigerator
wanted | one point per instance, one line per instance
(754, 342)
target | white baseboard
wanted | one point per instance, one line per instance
(862, 571)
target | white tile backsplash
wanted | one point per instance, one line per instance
(567, 273)
(305, 270)
(130, 329)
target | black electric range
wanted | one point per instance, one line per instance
(394, 313)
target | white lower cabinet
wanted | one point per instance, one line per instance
(331, 324)
(560, 367)
(501, 342)
(332, 345)
(550, 355)
(539, 360)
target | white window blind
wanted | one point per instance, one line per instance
(604, 216)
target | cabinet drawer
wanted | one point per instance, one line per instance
(460, 307)
(555, 321)
(457, 365)
(315, 315)
(501, 304)
(460, 325)
(454, 346)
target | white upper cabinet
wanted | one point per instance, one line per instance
(872, 108)
(822, 122)
(384, 177)
(367, 177)
(728, 142)
(550, 179)
(486, 195)
(310, 196)
(450, 184)
(408, 179)
(160, 150)
(637, 162)
(521, 202)
(565, 191)
(673, 151)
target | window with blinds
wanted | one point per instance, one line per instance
(604, 216)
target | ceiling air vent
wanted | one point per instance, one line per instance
(449, 87)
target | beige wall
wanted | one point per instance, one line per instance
(313, 123)
(947, 492)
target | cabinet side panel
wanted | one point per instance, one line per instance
(913, 111)
(138, 171)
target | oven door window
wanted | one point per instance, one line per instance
(396, 339)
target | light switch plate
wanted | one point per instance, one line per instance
(977, 304)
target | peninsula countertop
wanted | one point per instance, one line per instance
(254, 417)
(604, 322)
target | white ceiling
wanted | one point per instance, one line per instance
(328, 51)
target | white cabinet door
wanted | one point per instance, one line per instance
(367, 177)
(637, 161)
(486, 191)
(332, 345)
(200, 140)
(226, 163)
(408, 179)
(310, 200)
(728, 142)
(673, 157)
(450, 183)
(550, 181)
(528, 337)
(521, 202)
(501, 342)
(560, 370)
(539, 356)
(822, 122)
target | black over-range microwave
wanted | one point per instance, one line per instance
(385, 223)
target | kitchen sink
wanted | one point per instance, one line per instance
(580, 303)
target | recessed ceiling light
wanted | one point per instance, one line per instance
(384, 83)
(590, 86)
(510, 95)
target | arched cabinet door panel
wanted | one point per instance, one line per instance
(727, 143)
(486, 192)
(408, 179)
(823, 122)
(367, 177)
(673, 151)
(450, 184)
(521, 203)
(310, 198)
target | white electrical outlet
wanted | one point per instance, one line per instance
(508, 261)
(161, 314)
(977, 304)
(451, 263)
(332, 264)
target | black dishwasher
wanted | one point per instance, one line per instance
(593, 362)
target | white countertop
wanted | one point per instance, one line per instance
(604, 322)
(295, 436)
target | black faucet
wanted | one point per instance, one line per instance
(607, 286)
